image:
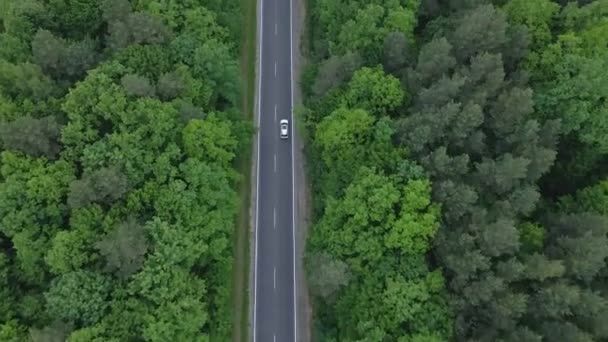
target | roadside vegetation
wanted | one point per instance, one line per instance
(241, 284)
(459, 157)
(120, 123)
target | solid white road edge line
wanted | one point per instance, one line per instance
(293, 177)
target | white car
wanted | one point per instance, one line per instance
(284, 129)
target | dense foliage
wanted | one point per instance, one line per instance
(459, 163)
(118, 130)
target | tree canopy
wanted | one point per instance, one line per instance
(459, 170)
(119, 126)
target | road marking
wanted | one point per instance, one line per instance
(275, 163)
(275, 69)
(274, 218)
(293, 174)
(257, 186)
(274, 277)
(275, 338)
(275, 29)
(275, 113)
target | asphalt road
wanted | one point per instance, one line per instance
(274, 315)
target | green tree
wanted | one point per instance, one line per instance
(48, 51)
(374, 91)
(397, 52)
(76, 18)
(581, 241)
(6, 292)
(11, 331)
(115, 10)
(482, 28)
(536, 16)
(327, 275)
(13, 48)
(334, 72)
(79, 296)
(32, 209)
(135, 28)
(105, 186)
(369, 224)
(590, 199)
(68, 251)
(581, 112)
(62, 59)
(342, 138)
(80, 57)
(417, 223)
(24, 80)
(136, 85)
(540, 268)
(22, 19)
(532, 236)
(170, 85)
(177, 305)
(364, 32)
(56, 332)
(210, 139)
(379, 230)
(35, 137)
(349, 139)
(214, 63)
(575, 60)
(150, 61)
(124, 248)
(434, 60)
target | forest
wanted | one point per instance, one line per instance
(458, 152)
(119, 124)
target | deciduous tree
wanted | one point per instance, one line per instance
(104, 186)
(35, 137)
(124, 248)
(136, 85)
(79, 296)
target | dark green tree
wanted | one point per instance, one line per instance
(35, 137)
(56, 332)
(327, 276)
(124, 248)
(334, 72)
(61, 59)
(105, 185)
(136, 85)
(398, 52)
(170, 85)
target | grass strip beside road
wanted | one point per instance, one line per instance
(240, 286)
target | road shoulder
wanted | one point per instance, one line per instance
(303, 198)
(254, 171)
